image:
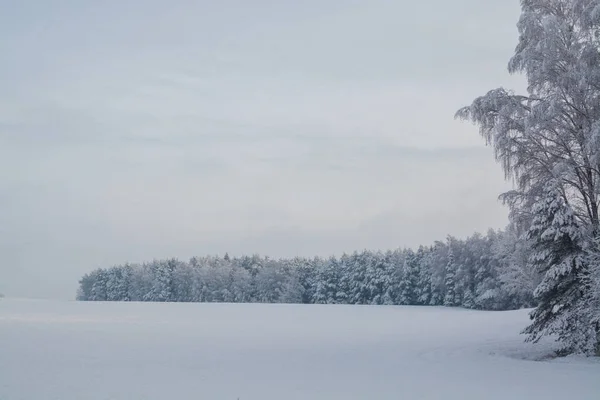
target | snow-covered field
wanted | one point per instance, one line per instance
(72, 351)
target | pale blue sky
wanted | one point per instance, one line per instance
(138, 129)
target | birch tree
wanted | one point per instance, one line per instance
(551, 133)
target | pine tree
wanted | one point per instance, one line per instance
(344, 283)
(86, 283)
(98, 291)
(558, 256)
(409, 281)
(161, 275)
(450, 298)
(358, 292)
(306, 276)
(423, 277)
(326, 291)
(390, 285)
(375, 279)
(468, 299)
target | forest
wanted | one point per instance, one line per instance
(482, 272)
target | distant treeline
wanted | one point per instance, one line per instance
(482, 272)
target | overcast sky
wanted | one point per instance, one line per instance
(137, 129)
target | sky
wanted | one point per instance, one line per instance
(140, 129)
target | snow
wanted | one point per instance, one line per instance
(94, 350)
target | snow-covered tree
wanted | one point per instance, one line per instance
(327, 282)
(271, 282)
(361, 278)
(292, 290)
(118, 280)
(306, 271)
(424, 277)
(161, 288)
(391, 284)
(98, 290)
(359, 264)
(551, 134)
(594, 292)
(410, 279)
(450, 295)
(344, 286)
(84, 292)
(558, 256)
(516, 279)
(381, 279)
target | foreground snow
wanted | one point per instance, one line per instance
(70, 350)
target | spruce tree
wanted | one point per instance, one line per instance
(450, 297)
(558, 256)
(410, 278)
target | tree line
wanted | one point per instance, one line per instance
(480, 272)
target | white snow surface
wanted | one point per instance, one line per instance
(76, 350)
